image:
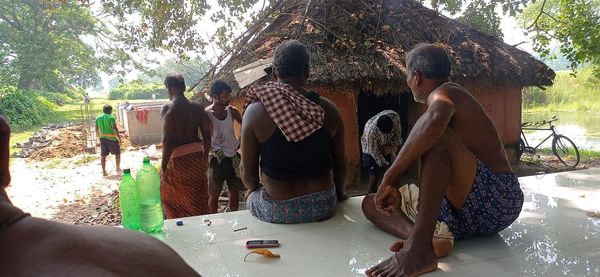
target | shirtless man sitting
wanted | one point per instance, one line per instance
(36, 247)
(466, 185)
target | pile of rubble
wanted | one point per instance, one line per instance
(64, 143)
(100, 209)
(58, 141)
(42, 139)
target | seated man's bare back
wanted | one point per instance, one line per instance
(37, 247)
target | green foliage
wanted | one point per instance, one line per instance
(532, 160)
(138, 90)
(482, 14)
(42, 46)
(575, 93)
(588, 155)
(191, 69)
(85, 160)
(573, 25)
(172, 25)
(25, 109)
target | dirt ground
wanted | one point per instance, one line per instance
(62, 183)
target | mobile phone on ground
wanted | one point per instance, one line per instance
(262, 243)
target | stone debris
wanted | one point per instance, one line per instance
(58, 141)
(100, 209)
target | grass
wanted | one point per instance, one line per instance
(54, 163)
(532, 160)
(568, 93)
(85, 160)
(20, 137)
(588, 155)
(585, 155)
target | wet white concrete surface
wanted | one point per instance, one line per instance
(554, 236)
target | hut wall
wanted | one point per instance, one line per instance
(503, 105)
(237, 102)
(347, 104)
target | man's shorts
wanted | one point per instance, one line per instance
(222, 172)
(371, 165)
(107, 145)
(316, 206)
(494, 203)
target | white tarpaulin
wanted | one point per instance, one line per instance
(247, 74)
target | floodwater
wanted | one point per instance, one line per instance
(583, 128)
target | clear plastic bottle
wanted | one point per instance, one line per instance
(151, 213)
(129, 201)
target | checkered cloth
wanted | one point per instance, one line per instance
(374, 142)
(296, 116)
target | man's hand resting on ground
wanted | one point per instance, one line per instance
(388, 199)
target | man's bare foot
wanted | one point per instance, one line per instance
(104, 173)
(441, 246)
(119, 171)
(406, 262)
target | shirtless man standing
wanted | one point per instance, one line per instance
(466, 185)
(184, 162)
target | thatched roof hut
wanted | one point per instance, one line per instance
(358, 50)
(362, 44)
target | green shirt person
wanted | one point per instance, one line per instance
(107, 131)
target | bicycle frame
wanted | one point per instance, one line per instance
(538, 129)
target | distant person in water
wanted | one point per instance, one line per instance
(32, 246)
(466, 186)
(224, 159)
(110, 139)
(184, 189)
(297, 138)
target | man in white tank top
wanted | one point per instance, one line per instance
(224, 160)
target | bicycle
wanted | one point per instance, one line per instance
(562, 147)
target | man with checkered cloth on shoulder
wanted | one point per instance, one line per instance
(297, 138)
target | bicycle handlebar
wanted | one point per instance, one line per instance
(539, 123)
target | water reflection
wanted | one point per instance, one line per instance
(361, 259)
(582, 127)
(562, 240)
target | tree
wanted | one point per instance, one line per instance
(42, 44)
(191, 69)
(573, 25)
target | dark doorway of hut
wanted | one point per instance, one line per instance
(370, 104)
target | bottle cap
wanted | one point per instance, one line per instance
(179, 223)
(126, 170)
(146, 159)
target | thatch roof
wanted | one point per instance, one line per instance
(361, 44)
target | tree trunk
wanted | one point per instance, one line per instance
(25, 82)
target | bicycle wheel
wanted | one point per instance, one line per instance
(520, 149)
(565, 150)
